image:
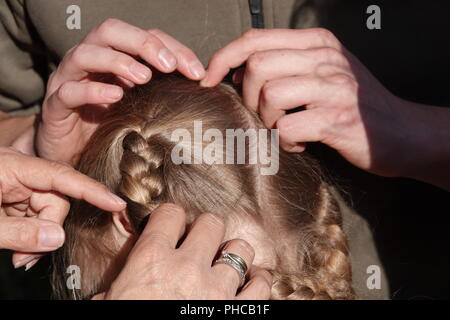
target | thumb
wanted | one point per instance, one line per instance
(30, 234)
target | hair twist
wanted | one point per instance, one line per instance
(141, 169)
(326, 264)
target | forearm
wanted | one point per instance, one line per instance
(429, 145)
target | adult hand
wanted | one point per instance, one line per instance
(346, 107)
(157, 269)
(33, 207)
(68, 115)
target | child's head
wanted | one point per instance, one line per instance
(290, 218)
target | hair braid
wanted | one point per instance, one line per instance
(326, 270)
(141, 168)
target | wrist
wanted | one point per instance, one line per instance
(427, 151)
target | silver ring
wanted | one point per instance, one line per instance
(236, 262)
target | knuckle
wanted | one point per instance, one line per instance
(60, 168)
(325, 35)
(79, 54)
(64, 92)
(121, 62)
(348, 87)
(331, 54)
(217, 57)
(255, 62)
(269, 92)
(93, 91)
(171, 209)
(325, 69)
(188, 53)
(107, 25)
(157, 32)
(252, 33)
(157, 239)
(148, 249)
(343, 117)
(149, 41)
(343, 80)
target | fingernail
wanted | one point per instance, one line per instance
(25, 260)
(197, 70)
(141, 72)
(50, 237)
(113, 93)
(204, 82)
(117, 200)
(31, 264)
(167, 59)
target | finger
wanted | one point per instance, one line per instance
(73, 94)
(204, 238)
(45, 175)
(50, 207)
(134, 41)
(29, 260)
(304, 126)
(226, 273)
(264, 66)
(18, 209)
(164, 229)
(280, 95)
(188, 62)
(125, 83)
(89, 58)
(30, 235)
(258, 287)
(237, 52)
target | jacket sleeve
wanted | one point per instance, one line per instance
(23, 66)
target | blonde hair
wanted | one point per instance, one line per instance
(130, 152)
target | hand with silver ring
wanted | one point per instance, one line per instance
(236, 262)
(160, 266)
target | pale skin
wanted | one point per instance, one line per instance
(346, 107)
(157, 268)
(111, 48)
(33, 206)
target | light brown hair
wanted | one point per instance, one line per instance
(130, 153)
